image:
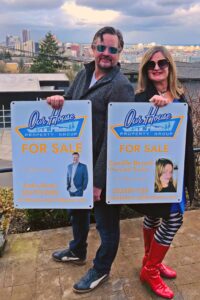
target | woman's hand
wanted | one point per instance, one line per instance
(159, 100)
(56, 101)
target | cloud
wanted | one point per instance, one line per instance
(20, 19)
(189, 16)
(139, 8)
(30, 4)
(167, 21)
(82, 15)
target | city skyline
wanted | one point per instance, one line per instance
(172, 22)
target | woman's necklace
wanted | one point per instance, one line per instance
(163, 93)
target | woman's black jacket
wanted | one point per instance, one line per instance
(163, 210)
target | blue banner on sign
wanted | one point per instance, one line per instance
(157, 129)
(68, 129)
(153, 124)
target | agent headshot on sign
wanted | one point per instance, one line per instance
(77, 177)
(164, 176)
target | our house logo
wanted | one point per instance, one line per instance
(54, 126)
(150, 125)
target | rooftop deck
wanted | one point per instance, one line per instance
(27, 271)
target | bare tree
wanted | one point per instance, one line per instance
(192, 91)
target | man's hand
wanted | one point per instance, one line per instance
(97, 194)
(159, 101)
(56, 101)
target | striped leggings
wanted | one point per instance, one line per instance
(165, 229)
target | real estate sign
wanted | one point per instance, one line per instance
(52, 155)
(146, 152)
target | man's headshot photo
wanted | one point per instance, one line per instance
(77, 176)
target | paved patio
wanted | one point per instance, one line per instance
(27, 271)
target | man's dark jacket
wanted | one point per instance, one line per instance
(113, 87)
(163, 210)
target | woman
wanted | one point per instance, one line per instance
(164, 182)
(158, 84)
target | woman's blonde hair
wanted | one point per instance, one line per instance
(160, 165)
(143, 81)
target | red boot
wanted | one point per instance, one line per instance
(150, 273)
(165, 271)
(148, 235)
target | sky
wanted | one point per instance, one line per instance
(141, 21)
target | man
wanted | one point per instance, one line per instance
(102, 82)
(77, 177)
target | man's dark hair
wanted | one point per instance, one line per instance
(109, 30)
(75, 153)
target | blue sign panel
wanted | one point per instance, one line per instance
(146, 153)
(52, 155)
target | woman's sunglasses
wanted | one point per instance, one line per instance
(102, 48)
(162, 63)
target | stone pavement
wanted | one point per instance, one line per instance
(27, 271)
(6, 179)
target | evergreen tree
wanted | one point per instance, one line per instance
(5, 55)
(48, 59)
(21, 66)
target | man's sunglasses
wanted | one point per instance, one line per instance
(162, 63)
(102, 48)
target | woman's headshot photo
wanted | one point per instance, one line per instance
(164, 181)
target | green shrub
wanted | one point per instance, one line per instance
(6, 209)
(46, 218)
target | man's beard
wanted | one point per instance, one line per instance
(105, 69)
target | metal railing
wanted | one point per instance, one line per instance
(5, 118)
(197, 181)
(6, 170)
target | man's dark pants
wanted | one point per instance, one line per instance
(107, 223)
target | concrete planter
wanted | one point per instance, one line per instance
(6, 212)
(2, 243)
(4, 226)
